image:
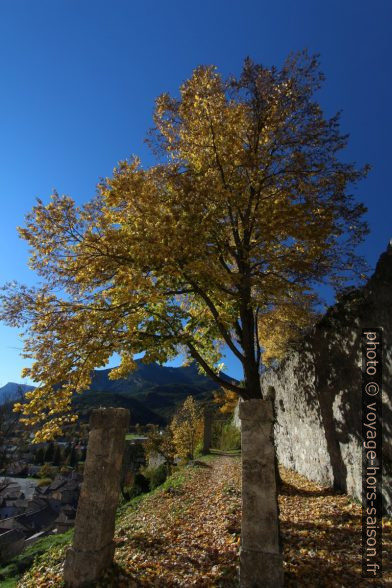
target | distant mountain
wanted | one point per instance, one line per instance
(152, 392)
(156, 389)
(140, 412)
(11, 391)
(151, 375)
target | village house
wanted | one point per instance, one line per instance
(51, 509)
(64, 490)
(11, 543)
(66, 519)
(31, 521)
(12, 500)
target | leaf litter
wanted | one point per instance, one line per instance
(189, 535)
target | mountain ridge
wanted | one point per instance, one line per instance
(10, 391)
(151, 392)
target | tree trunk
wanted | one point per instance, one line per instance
(261, 563)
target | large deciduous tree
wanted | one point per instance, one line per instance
(246, 211)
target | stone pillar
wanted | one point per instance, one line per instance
(207, 434)
(261, 562)
(93, 547)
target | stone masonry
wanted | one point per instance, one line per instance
(317, 391)
(261, 561)
(93, 547)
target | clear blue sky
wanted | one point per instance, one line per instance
(79, 78)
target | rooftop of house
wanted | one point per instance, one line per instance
(10, 535)
(37, 519)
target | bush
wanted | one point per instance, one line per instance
(45, 482)
(199, 448)
(230, 437)
(157, 476)
(140, 485)
(47, 471)
(65, 470)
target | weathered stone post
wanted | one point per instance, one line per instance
(207, 433)
(261, 562)
(93, 547)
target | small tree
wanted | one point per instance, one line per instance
(72, 458)
(162, 443)
(187, 428)
(39, 456)
(47, 472)
(57, 457)
(67, 451)
(49, 452)
(9, 424)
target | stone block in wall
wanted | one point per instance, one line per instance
(318, 391)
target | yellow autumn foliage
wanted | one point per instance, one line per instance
(187, 428)
(248, 207)
(282, 326)
(226, 399)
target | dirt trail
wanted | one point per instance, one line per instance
(188, 535)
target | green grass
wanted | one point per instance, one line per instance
(130, 504)
(10, 573)
(225, 451)
(9, 583)
(207, 457)
(130, 436)
(45, 552)
(175, 481)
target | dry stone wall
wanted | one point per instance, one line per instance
(317, 391)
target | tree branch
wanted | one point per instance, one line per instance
(215, 314)
(228, 385)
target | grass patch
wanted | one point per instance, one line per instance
(130, 504)
(9, 583)
(10, 573)
(206, 458)
(45, 557)
(174, 481)
(131, 436)
(233, 452)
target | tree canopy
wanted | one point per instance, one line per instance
(246, 211)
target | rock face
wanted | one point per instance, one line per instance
(93, 546)
(317, 391)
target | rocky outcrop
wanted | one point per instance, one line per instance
(317, 390)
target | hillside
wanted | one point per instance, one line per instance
(152, 392)
(140, 411)
(187, 533)
(11, 391)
